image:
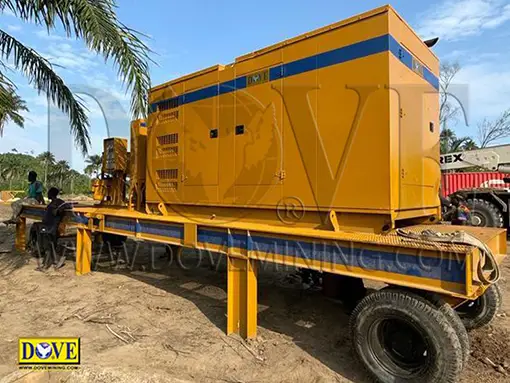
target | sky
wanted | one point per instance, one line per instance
(192, 35)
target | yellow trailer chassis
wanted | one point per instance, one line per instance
(446, 269)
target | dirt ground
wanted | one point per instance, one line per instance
(172, 322)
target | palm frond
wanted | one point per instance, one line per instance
(11, 105)
(95, 22)
(41, 75)
(94, 160)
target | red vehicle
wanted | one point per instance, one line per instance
(488, 192)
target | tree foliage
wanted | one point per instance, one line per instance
(11, 105)
(14, 168)
(448, 109)
(96, 23)
(94, 162)
(490, 131)
(451, 143)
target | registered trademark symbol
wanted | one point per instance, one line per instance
(290, 210)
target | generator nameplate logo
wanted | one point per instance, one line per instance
(257, 78)
(417, 67)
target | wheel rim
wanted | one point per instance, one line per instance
(399, 346)
(477, 220)
(471, 309)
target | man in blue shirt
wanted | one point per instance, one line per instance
(35, 196)
(35, 188)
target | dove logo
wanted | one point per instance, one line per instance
(43, 350)
(257, 78)
(48, 351)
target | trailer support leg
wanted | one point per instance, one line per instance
(83, 251)
(21, 227)
(242, 297)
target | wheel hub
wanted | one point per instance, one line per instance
(476, 220)
(403, 344)
(401, 348)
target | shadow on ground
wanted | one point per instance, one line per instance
(315, 323)
(8, 262)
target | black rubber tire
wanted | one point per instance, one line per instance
(171, 251)
(484, 211)
(443, 356)
(448, 311)
(481, 311)
(455, 321)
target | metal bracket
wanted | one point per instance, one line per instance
(138, 229)
(100, 217)
(90, 222)
(334, 221)
(500, 201)
(162, 209)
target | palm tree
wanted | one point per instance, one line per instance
(445, 138)
(95, 162)
(48, 159)
(13, 170)
(450, 143)
(457, 144)
(470, 145)
(95, 22)
(73, 176)
(11, 105)
(61, 171)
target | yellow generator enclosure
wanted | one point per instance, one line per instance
(343, 119)
(138, 151)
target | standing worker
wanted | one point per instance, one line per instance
(35, 196)
(43, 235)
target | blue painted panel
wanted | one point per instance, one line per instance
(331, 252)
(336, 56)
(162, 229)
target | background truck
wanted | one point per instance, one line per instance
(487, 192)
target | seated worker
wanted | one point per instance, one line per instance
(35, 196)
(462, 214)
(43, 234)
(456, 211)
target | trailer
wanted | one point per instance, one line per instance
(261, 161)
